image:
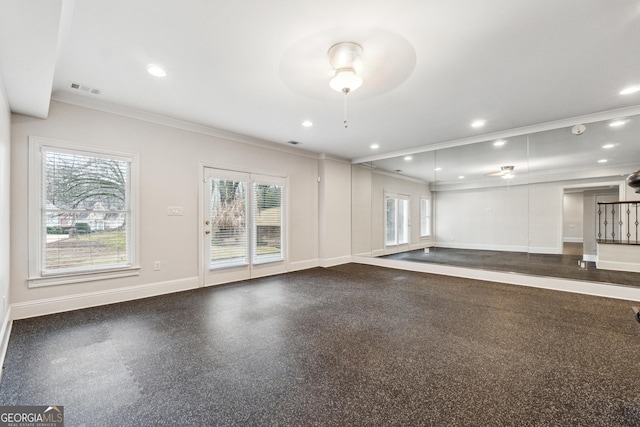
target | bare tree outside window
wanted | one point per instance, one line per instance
(86, 211)
(228, 221)
(246, 222)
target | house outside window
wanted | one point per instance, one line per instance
(83, 215)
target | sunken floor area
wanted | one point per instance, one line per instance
(351, 345)
(549, 265)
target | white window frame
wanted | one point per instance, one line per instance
(258, 179)
(425, 217)
(36, 210)
(397, 198)
(250, 179)
(245, 178)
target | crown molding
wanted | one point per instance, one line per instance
(94, 104)
(509, 133)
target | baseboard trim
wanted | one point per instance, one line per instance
(544, 250)
(618, 266)
(421, 245)
(5, 333)
(304, 265)
(24, 310)
(572, 240)
(330, 262)
(481, 247)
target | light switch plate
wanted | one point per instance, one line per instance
(175, 211)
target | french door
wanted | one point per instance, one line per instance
(243, 225)
(397, 225)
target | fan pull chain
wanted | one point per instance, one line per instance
(346, 92)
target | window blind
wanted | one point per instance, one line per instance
(86, 215)
(267, 223)
(229, 240)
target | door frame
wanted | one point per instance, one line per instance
(231, 274)
(400, 247)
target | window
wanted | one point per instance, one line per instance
(267, 223)
(246, 216)
(425, 217)
(82, 215)
(229, 242)
(396, 219)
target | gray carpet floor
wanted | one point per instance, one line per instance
(351, 345)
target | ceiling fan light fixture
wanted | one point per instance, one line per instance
(505, 172)
(346, 80)
(345, 55)
(345, 59)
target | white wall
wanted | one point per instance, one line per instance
(361, 232)
(486, 218)
(335, 211)
(170, 162)
(517, 218)
(545, 218)
(5, 208)
(573, 217)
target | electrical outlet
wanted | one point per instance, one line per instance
(156, 265)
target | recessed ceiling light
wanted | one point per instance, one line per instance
(374, 146)
(617, 123)
(154, 70)
(307, 123)
(608, 146)
(602, 161)
(407, 158)
(437, 169)
(461, 177)
(500, 143)
(629, 90)
(478, 123)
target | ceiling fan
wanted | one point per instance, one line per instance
(505, 172)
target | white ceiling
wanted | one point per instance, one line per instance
(553, 155)
(260, 68)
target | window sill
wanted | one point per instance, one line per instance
(66, 279)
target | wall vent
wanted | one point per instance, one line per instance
(83, 88)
